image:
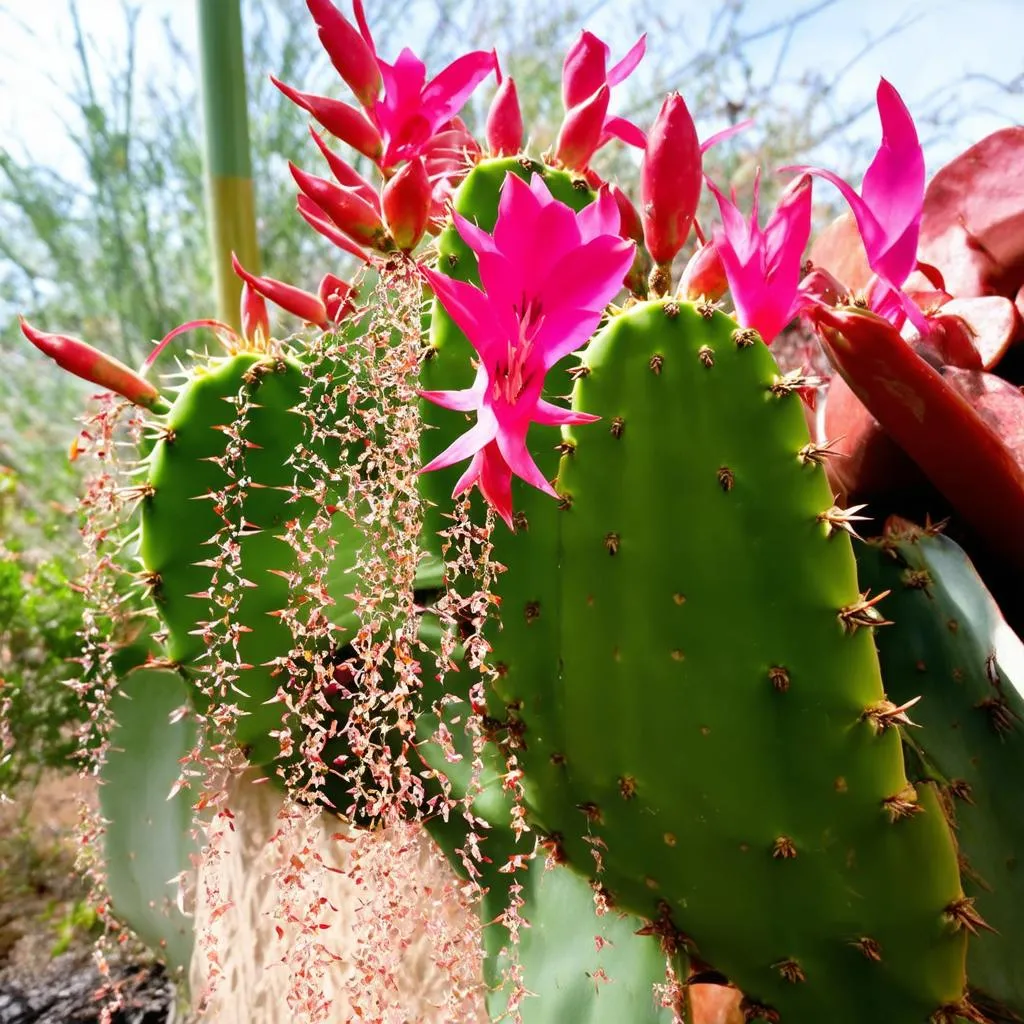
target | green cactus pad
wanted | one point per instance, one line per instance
(951, 647)
(181, 524)
(580, 968)
(148, 840)
(708, 721)
(527, 641)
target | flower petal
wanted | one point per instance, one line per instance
(624, 68)
(555, 416)
(625, 131)
(446, 94)
(471, 310)
(590, 276)
(466, 445)
(512, 446)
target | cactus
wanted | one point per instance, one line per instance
(576, 974)
(950, 650)
(681, 688)
(223, 472)
(700, 671)
(148, 838)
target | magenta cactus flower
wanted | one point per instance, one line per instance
(402, 111)
(547, 274)
(889, 205)
(763, 266)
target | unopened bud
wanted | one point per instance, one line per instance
(287, 296)
(582, 130)
(336, 295)
(505, 121)
(406, 203)
(351, 54)
(349, 211)
(704, 276)
(670, 180)
(255, 322)
(341, 120)
(97, 367)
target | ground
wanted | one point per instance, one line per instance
(48, 928)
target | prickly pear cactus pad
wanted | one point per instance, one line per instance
(147, 839)
(222, 496)
(950, 647)
(713, 713)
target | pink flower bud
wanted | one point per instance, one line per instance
(582, 130)
(341, 120)
(585, 69)
(704, 276)
(505, 121)
(97, 367)
(670, 180)
(406, 202)
(287, 296)
(352, 55)
(349, 212)
(255, 322)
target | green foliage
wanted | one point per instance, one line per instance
(40, 614)
(78, 920)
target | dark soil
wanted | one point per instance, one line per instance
(48, 968)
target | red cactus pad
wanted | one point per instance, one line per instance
(973, 223)
(955, 445)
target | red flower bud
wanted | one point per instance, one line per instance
(97, 367)
(344, 172)
(406, 202)
(340, 119)
(584, 70)
(352, 55)
(349, 212)
(336, 295)
(630, 225)
(704, 276)
(505, 121)
(582, 130)
(318, 220)
(670, 180)
(255, 322)
(287, 296)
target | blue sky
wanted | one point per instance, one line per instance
(945, 40)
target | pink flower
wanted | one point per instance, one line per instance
(763, 266)
(888, 208)
(547, 274)
(400, 121)
(413, 110)
(586, 93)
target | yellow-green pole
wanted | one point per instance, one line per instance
(229, 189)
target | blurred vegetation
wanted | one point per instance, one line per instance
(40, 614)
(113, 248)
